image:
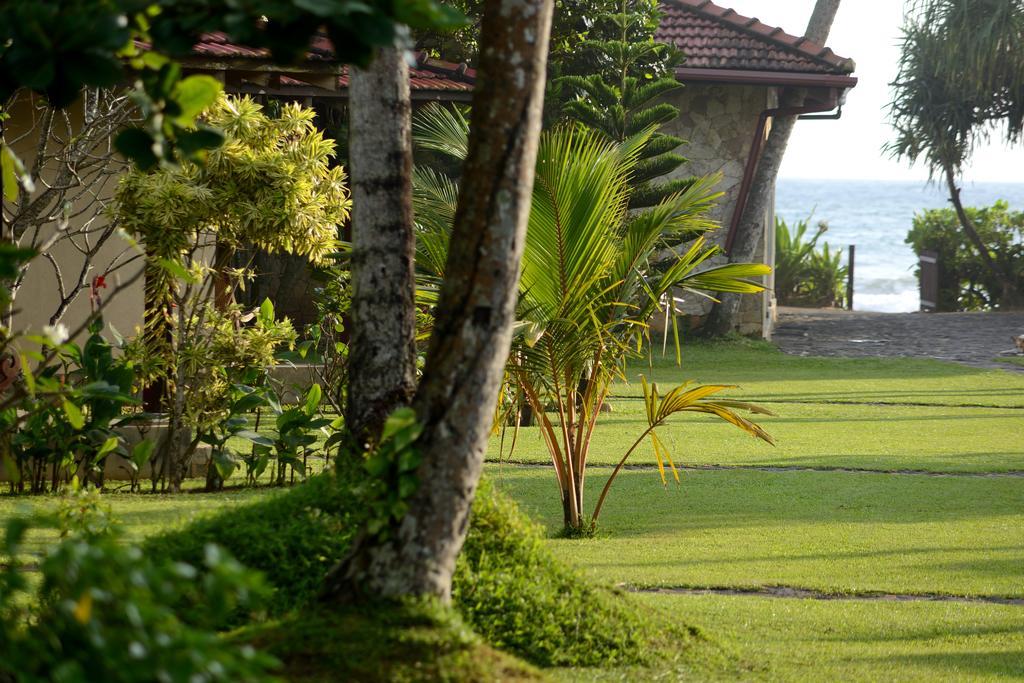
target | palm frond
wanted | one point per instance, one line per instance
(442, 129)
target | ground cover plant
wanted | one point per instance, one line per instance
(100, 609)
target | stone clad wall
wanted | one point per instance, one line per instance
(718, 121)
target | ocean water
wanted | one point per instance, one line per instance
(876, 216)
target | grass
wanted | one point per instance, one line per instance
(765, 373)
(828, 413)
(1012, 360)
(943, 439)
(838, 532)
(828, 640)
(835, 532)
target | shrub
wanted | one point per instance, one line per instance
(507, 586)
(105, 611)
(60, 419)
(514, 593)
(965, 282)
(294, 538)
(805, 276)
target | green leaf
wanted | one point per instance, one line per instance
(247, 403)
(257, 439)
(407, 485)
(376, 464)
(193, 95)
(224, 463)
(74, 414)
(108, 447)
(26, 374)
(398, 420)
(176, 269)
(313, 397)
(409, 459)
(13, 174)
(267, 312)
(193, 144)
(141, 452)
(138, 146)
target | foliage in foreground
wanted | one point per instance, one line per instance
(804, 275)
(507, 587)
(105, 611)
(965, 283)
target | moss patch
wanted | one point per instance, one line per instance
(404, 642)
(508, 586)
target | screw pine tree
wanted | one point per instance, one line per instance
(625, 75)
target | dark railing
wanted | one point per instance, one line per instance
(849, 277)
(928, 264)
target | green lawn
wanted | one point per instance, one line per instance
(764, 373)
(839, 532)
(835, 532)
(780, 639)
(943, 439)
(877, 414)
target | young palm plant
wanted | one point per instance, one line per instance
(589, 288)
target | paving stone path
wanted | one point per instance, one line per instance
(969, 338)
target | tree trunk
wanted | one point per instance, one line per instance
(223, 287)
(473, 327)
(382, 349)
(725, 316)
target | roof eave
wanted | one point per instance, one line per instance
(341, 94)
(766, 78)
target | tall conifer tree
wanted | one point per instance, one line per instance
(614, 82)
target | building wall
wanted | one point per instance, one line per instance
(719, 121)
(40, 295)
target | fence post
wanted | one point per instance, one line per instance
(849, 278)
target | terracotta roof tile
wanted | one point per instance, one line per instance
(715, 37)
(428, 75)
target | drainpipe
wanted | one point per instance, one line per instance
(834, 102)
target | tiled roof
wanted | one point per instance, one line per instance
(217, 45)
(715, 37)
(428, 74)
(433, 74)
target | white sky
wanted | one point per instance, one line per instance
(868, 32)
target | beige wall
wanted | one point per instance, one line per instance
(40, 294)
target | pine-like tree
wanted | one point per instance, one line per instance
(611, 82)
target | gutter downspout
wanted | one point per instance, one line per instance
(835, 100)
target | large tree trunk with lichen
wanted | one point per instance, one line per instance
(473, 326)
(725, 316)
(382, 349)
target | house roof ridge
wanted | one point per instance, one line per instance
(802, 45)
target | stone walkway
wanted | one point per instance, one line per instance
(969, 338)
